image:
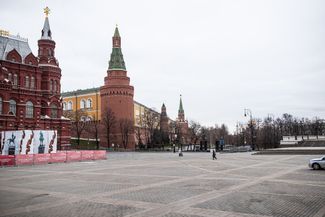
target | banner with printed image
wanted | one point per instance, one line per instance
(10, 141)
(28, 142)
(45, 141)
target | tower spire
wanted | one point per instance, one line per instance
(46, 31)
(180, 109)
(116, 62)
(181, 115)
(116, 33)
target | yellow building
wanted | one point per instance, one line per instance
(89, 100)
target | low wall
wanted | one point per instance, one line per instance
(59, 157)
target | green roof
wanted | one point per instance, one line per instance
(181, 110)
(80, 92)
(116, 61)
(116, 33)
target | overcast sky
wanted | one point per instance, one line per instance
(222, 56)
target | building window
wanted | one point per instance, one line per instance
(43, 108)
(51, 85)
(56, 88)
(10, 77)
(15, 80)
(70, 105)
(27, 81)
(32, 82)
(64, 106)
(0, 105)
(54, 111)
(29, 109)
(89, 103)
(82, 104)
(12, 107)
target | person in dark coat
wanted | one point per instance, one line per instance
(214, 155)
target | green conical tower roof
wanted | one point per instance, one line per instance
(180, 109)
(116, 62)
(116, 33)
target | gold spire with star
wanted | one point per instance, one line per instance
(46, 11)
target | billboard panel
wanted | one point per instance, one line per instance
(28, 142)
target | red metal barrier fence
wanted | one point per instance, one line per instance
(59, 157)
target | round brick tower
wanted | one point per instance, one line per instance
(117, 96)
(164, 126)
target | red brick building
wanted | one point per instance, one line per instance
(30, 86)
(117, 95)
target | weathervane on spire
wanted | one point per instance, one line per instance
(47, 11)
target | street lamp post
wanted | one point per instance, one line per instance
(249, 112)
(271, 118)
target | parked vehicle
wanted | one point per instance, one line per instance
(317, 163)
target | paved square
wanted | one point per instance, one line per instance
(164, 185)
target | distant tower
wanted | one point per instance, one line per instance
(117, 95)
(164, 127)
(181, 115)
(183, 131)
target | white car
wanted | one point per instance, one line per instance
(317, 163)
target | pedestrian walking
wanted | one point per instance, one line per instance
(180, 153)
(214, 155)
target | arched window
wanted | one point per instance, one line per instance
(64, 106)
(15, 80)
(54, 111)
(12, 107)
(32, 82)
(89, 103)
(10, 77)
(27, 81)
(82, 104)
(51, 85)
(0, 105)
(29, 109)
(56, 87)
(89, 118)
(69, 105)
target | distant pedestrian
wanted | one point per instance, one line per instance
(180, 153)
(174, 148)
(214, 155)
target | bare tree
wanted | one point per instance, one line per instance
(151, 121)
(93, 129)
(108, 122)
(78, 120)
(138, 135)
(194, 128)
(126, 127)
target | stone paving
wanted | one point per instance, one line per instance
(165, 185)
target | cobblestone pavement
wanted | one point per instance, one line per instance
(162, 184)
